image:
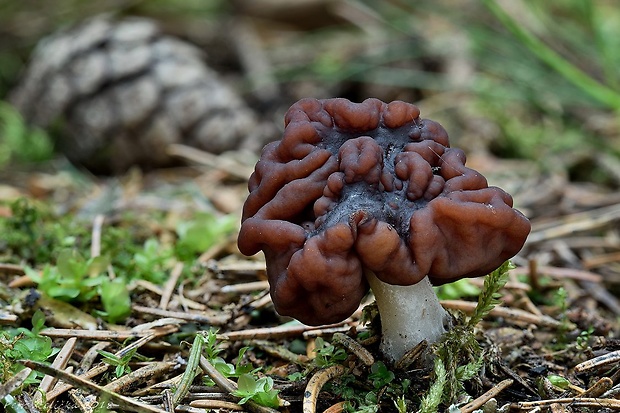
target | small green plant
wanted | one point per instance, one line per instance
(121, 362)
(77, 279)
(560, 301)
(362, 399)
(583, 339)
(401, 404)
(115, 299)
(250, 387)
(23, 344)
(327, 354)
(228, 370)
(151, 262)
(369, 403)
(380, 375)
(201, 232)
(73, 278)
(260, 390)
(297, 376)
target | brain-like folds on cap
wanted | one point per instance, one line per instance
(369, 186)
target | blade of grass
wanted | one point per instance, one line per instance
(593, 16)
(573, 74)
(191, 370)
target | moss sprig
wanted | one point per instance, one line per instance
(458, 356)
(490, 296)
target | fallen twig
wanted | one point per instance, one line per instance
(316, 383)
(108, 334)
(282, 331)
(354, 347)
(599, 361)
(232, 167)
(215, 319)
(558, 272)
(511, 314)
(14, 382)
(216, 404)
(123, 401)
(60, 362)
(169, 286)
(572, 402)
(601, 386)
(143, 374)
(494, 391)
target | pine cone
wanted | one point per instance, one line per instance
(125, 91)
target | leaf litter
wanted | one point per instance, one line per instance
(549, 345)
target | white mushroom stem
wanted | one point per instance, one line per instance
(409, 314)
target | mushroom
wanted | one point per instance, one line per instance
(359, 195)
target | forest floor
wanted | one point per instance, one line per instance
(551, 344)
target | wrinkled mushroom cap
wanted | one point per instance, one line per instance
(369, 185)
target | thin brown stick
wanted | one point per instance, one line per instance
(89, 358)
(22, 281)
(316, 383)
(102, 368)
(354, 347)
(107, 335)
(599, 361)
(232, 167)
(602, 259)
(63, 387)
(215, 320)
(216, 404)
(511, 314)
(126, 403)
(571, 402)
(139, 376)
(281, 352)
(412, 356)
(245, 287)
(14, 382)
(157, 324)
(170, 285)
(557, 272)
(488, 395)
(570, 224)
(601, 386)
(328, 331)
(282, 331)
(60, 362)
(11, 269)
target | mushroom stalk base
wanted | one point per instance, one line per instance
(409, 314)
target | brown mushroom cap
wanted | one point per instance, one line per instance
(369, 185)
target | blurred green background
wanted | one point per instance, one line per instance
(524, 79)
